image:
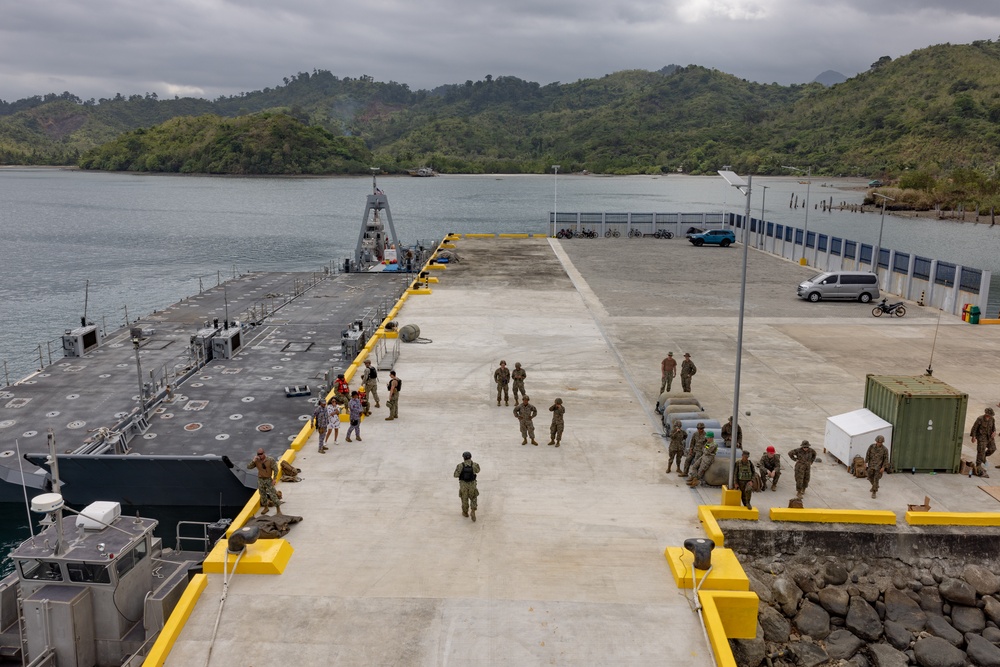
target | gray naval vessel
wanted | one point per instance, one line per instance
(167, 410)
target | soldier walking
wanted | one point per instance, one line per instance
(369, 379)
(556, 429)
(803, 457)
(688, 369)
(876, 459)
(744, 473)
(525, 412)
(695, 449)
(518, 376)
(267, 472)
(321, 420)
(466, 472)
(983, 433)
(706, 459)
(393, 402)
(676, 452)
(502, 377)
(770, 468)
(668, 368)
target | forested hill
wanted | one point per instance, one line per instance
(935, 110)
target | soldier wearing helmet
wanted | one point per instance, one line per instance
(876, 461)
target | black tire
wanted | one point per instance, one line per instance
(814, 296)
(668, 235)
(724, 243)
(900, 312)
(877, 311)
(657, 234)
(865, 297)
(607, 234)
(698, 242)
(616, 233)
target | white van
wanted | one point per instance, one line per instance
(850, 285)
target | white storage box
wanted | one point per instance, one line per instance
(850, 434)
(98, 514)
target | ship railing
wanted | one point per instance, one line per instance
(203, 539)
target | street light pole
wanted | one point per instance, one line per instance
(744, 187)
(760, 232)
(805, 232)
(878, 248)
(555, 197)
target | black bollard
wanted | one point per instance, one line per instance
(702, 550)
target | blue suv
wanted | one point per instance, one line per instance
(721, 237)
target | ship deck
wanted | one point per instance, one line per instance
(565, 563)
(229, 407)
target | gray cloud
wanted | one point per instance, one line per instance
(214, 47)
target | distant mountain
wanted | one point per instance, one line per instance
(830, 78)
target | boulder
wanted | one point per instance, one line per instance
(936, 652)
(808, 654)
(992, 635)
(858, 661)
(981, 579)
(897, 635)
(834, 574)
(869, 592)
(930, 601)
(958, 592)
(776, 627)
(981, 651)
(786, 594)
(940, 627)
(813, 621)
(884, 655)
(749, 652)
(901, 608)
(834, 600)
(862, 620)
(760, 586)
(804, 579)
(967, 619)
(991, 606)
(841, 645)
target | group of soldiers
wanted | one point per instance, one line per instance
(525, 411)
(668, 369)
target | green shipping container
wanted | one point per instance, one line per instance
(927, 417)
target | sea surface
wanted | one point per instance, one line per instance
(143, 242)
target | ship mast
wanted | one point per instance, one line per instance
(375, 235)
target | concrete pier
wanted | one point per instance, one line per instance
(565, 563)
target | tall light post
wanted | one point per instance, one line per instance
(805, 232)
(744, 187)
(878, 248)
(760, 230)
(555, 197)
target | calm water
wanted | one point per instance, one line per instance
(143, 242)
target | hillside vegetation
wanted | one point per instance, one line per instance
(934, 112)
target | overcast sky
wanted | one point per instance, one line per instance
(207, 48)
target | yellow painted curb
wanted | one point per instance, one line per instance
(261, 557)
(710, 525)
(175, 623)
(989, 321)
(731, 496)
(513, 236)
(953, 518)
(300, 440)
(433, 279)
(447, 246)
(727, 574)
(437, 266)
(418, 291)
(880, 517)
(728, 615)
(480, 236)
(710, 514)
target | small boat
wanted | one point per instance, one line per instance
(422, 171)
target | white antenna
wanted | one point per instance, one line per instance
(27, 505)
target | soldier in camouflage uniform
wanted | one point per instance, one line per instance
(706, 460)
(983, 433)
(502, 377)
(744, 473)
(370, 379)
(556, 429)
(876, 459)
(770, 466)
(668, 369)
(688, 369)
(695, 449)
(267, 472)
(727, 434)
(525, 412)
(803, 457)
(678, 436)
(518, 376)
(468, 491)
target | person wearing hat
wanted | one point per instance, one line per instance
(668, 368)
(678, 437)
(706, 459)
(468, 491)
(695, 448)
(727, 434)
(770, 468)
(744, 473)
(983, 433)
(876, 459)
(556, 429)
(688, 369)
(525, 412)
(518, 375)
(369, 380)
(502, 377)
(803, 457)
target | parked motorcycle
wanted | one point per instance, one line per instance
(897, 309)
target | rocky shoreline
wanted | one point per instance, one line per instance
(817, 611)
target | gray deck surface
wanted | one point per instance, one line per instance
(565, 565)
